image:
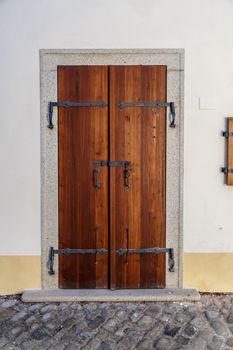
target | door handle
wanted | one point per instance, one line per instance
(96, 178)
(127, 173)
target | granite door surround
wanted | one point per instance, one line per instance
(174, 60)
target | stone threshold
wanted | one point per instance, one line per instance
(107, 295)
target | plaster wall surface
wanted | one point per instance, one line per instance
(203, 28)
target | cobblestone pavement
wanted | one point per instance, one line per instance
(207, 324)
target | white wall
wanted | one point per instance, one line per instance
(203, 28)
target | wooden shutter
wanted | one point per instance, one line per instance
(136, 214)
(83, 210)
(138, 135)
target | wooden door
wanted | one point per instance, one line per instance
(138, 135)
(113, 216)
(83, 210)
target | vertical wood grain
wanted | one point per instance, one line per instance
(83, 210)
(137, 215)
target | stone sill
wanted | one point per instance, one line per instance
(106, 295)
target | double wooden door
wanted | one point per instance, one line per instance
(111, 177)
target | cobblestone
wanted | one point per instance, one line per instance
(230, 342)
(206, 325)
(216, 343)
(18, 316)
(162, 344)
(230, 318)
(8, 303)
(220, 328)
(212, 314)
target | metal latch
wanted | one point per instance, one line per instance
(68, 251)
(170, 105)
(125, 164)
(152, 250)
(68, 104)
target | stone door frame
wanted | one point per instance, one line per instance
(174, 60)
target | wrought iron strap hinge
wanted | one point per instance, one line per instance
(121, 251)
(68, 104)
(226, 170)
(227, 134)
(68, 251)
(152, 250)
(170, 105)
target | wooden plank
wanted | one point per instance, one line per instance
(137, 215)
(83, 210)
(153, 160)
(230, 151)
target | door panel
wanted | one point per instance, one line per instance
(137, 134)
(113, 216)
(83, 210)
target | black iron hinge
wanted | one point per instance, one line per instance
(226, 170)
(227, 134)
(68, 104)
(68, 251)
(170, 105)
(152, 250)
(121, 251)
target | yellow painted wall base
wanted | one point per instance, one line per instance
(209, 272)
(18, 273)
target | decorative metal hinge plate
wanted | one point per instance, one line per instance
(68, 104)
(170, 105)
(68, 251)
(152, 250)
